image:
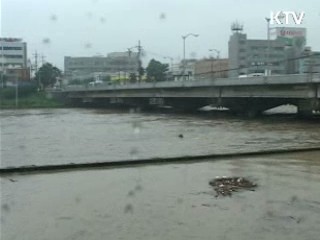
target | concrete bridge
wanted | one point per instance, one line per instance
(250, 96)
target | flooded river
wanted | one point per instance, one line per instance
(170, 201)
(42, 137)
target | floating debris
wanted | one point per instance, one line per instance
(226, 185)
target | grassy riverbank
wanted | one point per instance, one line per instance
(31, 100)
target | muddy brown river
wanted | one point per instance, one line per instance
(169, 201)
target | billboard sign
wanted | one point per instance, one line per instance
(292, 36)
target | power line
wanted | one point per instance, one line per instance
(262, 65)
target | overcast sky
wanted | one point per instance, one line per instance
(58, 28)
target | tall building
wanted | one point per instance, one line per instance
(248, 56)
(13, 59)
(294, 39)
(112, 64)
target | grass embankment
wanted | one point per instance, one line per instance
(28, 99)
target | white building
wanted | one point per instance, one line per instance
(182, 71)
(113, 64)
(13, 53)
(13, 59)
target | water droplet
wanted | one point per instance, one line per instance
(133, 151)
(138, 188)
(5, 207)
(131, 193)
(46, 41)
(137, 130)
(193, 55)
(88, 45)
(102, 20)
(162, 16)
(53, 17)
(77, 200)
(136, 127)
(128, 208)
(89, 15)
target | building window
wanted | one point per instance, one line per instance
(13, 56)
(12, 48)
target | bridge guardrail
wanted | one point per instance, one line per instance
(218, 82)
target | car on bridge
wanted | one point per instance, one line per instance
(95, 83)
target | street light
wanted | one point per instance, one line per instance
(268, 53)
(184, 37)
(218, 55)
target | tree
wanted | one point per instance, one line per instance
(132, 77)
(106, 78)
(156, 71)
(47, 75)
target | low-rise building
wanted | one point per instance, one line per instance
(185, 70)
(309, 61)
(112, 64)
(212, 67)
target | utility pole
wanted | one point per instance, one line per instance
(43, 59)
(139, 48)
(212, 59)
(139, 62)
(268, 70)
(36, 66)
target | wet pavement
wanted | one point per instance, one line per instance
(167, 202)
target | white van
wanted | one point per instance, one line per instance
(95, 83)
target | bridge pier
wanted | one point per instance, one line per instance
(305, 109)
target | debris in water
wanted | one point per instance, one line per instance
(128, 209)
(226, 185)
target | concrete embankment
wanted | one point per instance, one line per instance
(151, 161)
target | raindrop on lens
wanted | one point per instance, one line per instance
(46, 41)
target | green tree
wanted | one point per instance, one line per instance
(132, 77)
(47, 75)
(106, 78)
(156, 71)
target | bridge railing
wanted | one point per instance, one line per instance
(248, 81)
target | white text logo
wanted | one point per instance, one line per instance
(286, 17)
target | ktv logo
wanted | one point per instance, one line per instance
(286, 17)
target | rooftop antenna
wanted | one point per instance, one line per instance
(236, 27)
